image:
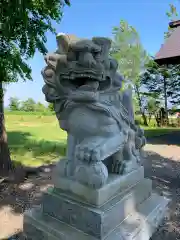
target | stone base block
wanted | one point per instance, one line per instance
(123, 209)
(114, 185)
(139, 225)
(96, 221)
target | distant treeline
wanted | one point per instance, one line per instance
(29, 105)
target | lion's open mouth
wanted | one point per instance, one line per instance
(84, 79)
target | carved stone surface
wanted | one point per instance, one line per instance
(95, 221)
(100, 192)
(140, 225)
(82, 82)
(115, 185)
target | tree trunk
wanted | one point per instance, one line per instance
(150, 116)
(140, 106)
(144, 119)
(5, 160)
(165, 100)
(157, 118)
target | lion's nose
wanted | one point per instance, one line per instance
(86, 59)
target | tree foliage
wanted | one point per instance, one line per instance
(51, 107)
(132, 58)
(24, 25)
(128, 51)
(39, 107)
(162, 82)
(14, 104)
(152, 107)
(28, 105)
(172, 15)
(174, 86)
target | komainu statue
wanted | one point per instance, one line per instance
(82, 82)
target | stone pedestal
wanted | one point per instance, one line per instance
(123, 209)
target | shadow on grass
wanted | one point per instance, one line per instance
(163, 136)
(21, 143)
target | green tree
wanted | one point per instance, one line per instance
(29, 105)
(14, 104)
(23, 31)
(161, 82)
(174, 85)
(39, 107)
(153, 105)
(174, 108)
(132, 58)
(135, 104)
(51, 107)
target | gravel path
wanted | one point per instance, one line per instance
(162, 165)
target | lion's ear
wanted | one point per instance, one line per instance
(63, 42)
(104, 43)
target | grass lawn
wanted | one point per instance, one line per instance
(155, 131)
(35, 140)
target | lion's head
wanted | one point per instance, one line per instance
(80, 64)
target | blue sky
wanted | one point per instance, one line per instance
(87, 18)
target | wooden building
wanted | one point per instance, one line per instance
(169, 52)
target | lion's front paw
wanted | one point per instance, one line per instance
(130, 166)
(94, 175)
(118, 167)
(138, 142)
(87, 154)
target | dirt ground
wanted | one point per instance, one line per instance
(162, 165)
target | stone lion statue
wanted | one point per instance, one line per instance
(82, 82)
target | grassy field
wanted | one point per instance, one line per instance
(35, 140)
